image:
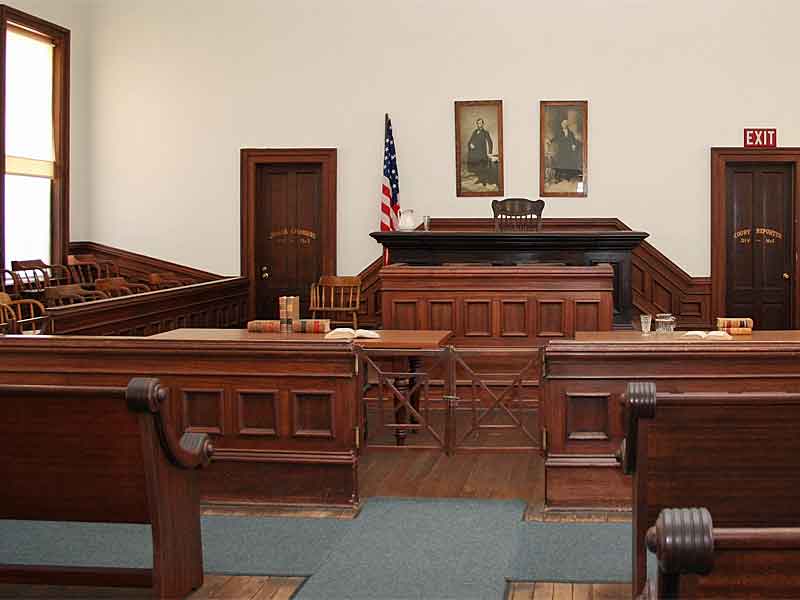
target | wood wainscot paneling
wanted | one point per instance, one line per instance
(584, 381)
(488, 306)
(132, 264)
(658, 284)
(281, 415)
(220, 303)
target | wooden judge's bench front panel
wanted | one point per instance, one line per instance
(494, 306)
(585, 379)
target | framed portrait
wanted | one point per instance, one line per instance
(563, 147)
(479, 148)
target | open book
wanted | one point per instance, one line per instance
(347, 333)
(714, 335)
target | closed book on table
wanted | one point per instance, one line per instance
(311, 326)
(725, 323)
(264, 326)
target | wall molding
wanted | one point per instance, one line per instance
(131, 263)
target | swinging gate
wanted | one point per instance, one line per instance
(447, 399)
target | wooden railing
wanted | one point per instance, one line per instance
(132, 264)
(218, 304)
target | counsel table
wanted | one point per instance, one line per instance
(282, 410)
(584, 380)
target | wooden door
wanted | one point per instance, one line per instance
(287, 218)
(760, 248)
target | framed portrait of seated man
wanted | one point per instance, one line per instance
(479, 147)
(563, 147)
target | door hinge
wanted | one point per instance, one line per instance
(358, 437)
(544, 439)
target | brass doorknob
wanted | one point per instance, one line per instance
(786, 276)
(265, 272)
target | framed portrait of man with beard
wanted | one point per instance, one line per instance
(563, 148)
(479, 148)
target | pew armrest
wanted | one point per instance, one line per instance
(639, 403)
(193, 450)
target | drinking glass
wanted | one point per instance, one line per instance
(426, 223)
(647, 320)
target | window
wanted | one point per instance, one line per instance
(34, 207)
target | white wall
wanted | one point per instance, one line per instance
(178, 87)
(74, 15)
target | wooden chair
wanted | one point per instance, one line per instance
(63, 295)
(734, 453)
(10, 283)
(517, 214)
(84, 272)
(118, 286)
(54, 274)
(8, 320)
(698, 560)
(32, 280)
(30, 316)
(104, 455)
(336, 298)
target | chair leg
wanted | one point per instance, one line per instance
(355, 321)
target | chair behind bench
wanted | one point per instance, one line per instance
(103, 454)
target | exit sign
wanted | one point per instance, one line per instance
(761, 138)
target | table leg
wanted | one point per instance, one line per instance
(402, 414)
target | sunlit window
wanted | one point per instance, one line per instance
(30, 152)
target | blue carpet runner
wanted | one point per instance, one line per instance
(395, 549)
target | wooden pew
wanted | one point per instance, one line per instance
(103, 454)
(697, 560)
(734, 453)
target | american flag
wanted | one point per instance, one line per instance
(390, 203)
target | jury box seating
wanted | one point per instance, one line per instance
(698, 560)
(734, 453)
(103, 454)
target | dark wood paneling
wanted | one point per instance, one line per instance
(285, 411)
(257, 412)
(497, 306)
(648, 265)
(605, 363)
(220, 303)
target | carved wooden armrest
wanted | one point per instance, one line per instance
(145, 394)
(639, 403)
(683, 541)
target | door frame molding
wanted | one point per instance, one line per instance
(251, 159)
(720, 159)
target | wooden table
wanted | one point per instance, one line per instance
(584, 380)
(390, 339)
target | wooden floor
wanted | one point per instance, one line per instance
(221, 587)
(415, 473)
(225, 587)
(528, 590)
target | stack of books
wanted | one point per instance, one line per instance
(735, 325)
(289, 309)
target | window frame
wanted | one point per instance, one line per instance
(59, 195)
